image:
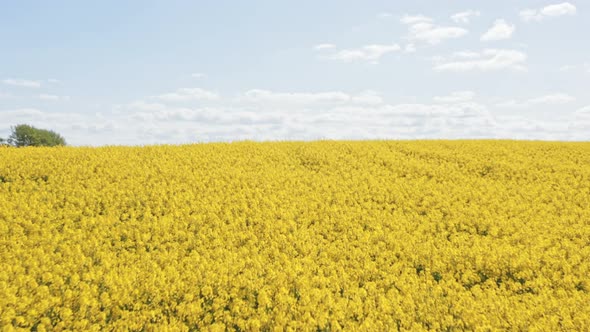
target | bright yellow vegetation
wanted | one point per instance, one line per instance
(380, 236)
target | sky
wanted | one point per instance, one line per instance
(174, 72)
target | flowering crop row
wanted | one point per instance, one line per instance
(330, 235)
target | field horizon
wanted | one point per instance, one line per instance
(312, 141)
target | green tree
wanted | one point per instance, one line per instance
(25, 135)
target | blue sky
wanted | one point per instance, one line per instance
(154, 72)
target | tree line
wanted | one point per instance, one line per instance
(25, 135)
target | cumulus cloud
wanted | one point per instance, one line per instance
(500, 30)
(550, 99)
(456, 97)
(556, 10)
(20, 113)
(466, 55)
(413, 19)
(144, 106)
(486, 60)
(259, 95)
(188, 94)
(368, 53)
(422, 29)
(303, 98)
(86, 128)
(460, 110)
(198, 75)
(22, 82)
(557, 98)
(341, 120)
(268, 115)
(210, 116)
(584, 112)
(521, 127)
(368, 97)
(465, 16)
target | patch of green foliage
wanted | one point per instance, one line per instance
(26, 135)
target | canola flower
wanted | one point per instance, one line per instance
(286, 236)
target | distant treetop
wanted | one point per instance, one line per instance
(26, 135)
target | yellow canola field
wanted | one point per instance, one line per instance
(316, 236)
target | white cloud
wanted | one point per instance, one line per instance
(78, 128)
(145, 106)
(368, 97)
(325, 46)
(550, 99)
(512, 104)
(368, 53)
(487, 60)
(521, 127)
(308, 98)
(564, 8)
(456, 97)
(22, 82)
(500, 30)
(198, 75)
(188, 94)
(20, 112)
(210, 116)
(466, 55)
(49, 97)
(384, 15)
(584, 111)
(413, 19)
(430, 111)
(53, 81)
(465, 16)
(422, 29)
(268, 115)
(259, 95)
(555, 10)
(556, 98)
